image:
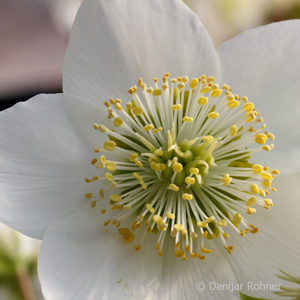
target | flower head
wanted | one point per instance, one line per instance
(177, 162)
(173, 166)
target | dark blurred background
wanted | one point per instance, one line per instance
(33, 39)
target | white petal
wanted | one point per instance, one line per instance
(82, 259)
(114, 42)
(43, 162)
(196, 279)
(258, 258)
(264, 65)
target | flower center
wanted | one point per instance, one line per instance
(177, 165)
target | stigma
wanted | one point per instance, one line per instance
(176, 163)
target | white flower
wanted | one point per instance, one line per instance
(291, 290)
(168, 154)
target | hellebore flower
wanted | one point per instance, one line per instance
(108, 171)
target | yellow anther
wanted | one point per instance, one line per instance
(129, 106)
(222, 223)
(210, 219)
(101, 194)
(186, 196)
(148, 127)
(157, 219)
(110, 145)
(97, 149)
(202, 224)
(266, 175)
(106, 223)
(181, 85)
(139, 163)
(176, 227)
(267, 148)
(157, 92)
(205, 89)
(187, 119)
(113, 184)
(102, 159)
(270, 136)
(150, 90)
(226, 179)
(202, 100)
(269, 202)
(251, 201)
(257, 169)
(177, 167)
(248, 107)
(154, 166)
(213, 115)
(237, 218)
(262, 193)
(229, 249)
(140, 81)
(176, 107)
(237, 97)
(267, 183)
(170, 216)
(275, 172)
(233, 103)
(194, 171)
(94, 161)
(110, 166)
(109, 177)
(118, 106)
(205, 250)
(194, 83)
(226, 235)
(150, 208)
(254, 188)
(88, 195)
(133, 157)
(260, 138)
(102, 128)
(159, 152)
(131, 91)
(158, 129)
(115, 198)
(161, 167)
(118, 122)
(226, 87)
(137, 247)
(233, 130)
(137, 110)
(173, 187)
(251, 210)
(245, 99)
(216, 93)
(190, 180)
(185, 79)
(137, 176)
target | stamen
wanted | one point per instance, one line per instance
(178, 161)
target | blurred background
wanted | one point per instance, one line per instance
(33, 38)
